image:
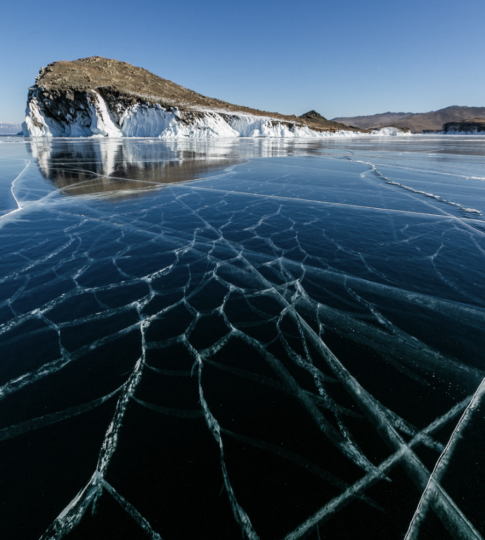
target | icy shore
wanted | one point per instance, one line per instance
(91, 115)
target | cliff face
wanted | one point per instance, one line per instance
(474, 125)
(98, 96)
(60, 113)
(109, 113)
(115, 168)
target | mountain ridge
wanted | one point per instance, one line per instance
(416, 122)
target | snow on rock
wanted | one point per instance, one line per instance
(38, 124)
(155, 121)
(260, 126)
(102, 122)
(89, 114)
(389, 131)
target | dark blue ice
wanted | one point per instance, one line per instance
(242, 339)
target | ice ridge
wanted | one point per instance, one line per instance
(95, 116)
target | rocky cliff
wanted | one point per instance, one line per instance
(98, 96)
(473, 125)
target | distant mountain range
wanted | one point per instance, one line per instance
(7, 128)
(416, 122)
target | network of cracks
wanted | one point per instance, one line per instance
(238, 357)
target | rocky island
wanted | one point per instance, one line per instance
(99, 96)
(473, 125)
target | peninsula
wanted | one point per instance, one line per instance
(99, 96)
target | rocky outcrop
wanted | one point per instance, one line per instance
(52, 112)
(474, 125)
(316, 119)
(101, 97)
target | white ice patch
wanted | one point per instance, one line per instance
(259, 126)
(154, 121)
(36, 124)
(146, 120)
(247, 125)
(389, 131)
(102, 123)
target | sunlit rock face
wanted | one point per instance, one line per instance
(242, 338)
(90, 114)
(98, 113)
(106, 98)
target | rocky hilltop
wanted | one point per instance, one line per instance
(316, 121)
(99, 96)
(417, 123)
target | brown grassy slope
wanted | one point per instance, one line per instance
(96, 71)
(473, 120)
(418, 122)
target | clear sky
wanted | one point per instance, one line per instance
(339, 57)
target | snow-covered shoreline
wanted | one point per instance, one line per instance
(96, 119)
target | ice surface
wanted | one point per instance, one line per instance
(434, 495)
(258, 338)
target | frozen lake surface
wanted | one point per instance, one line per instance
(242, 338)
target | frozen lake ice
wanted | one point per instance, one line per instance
(246, 338)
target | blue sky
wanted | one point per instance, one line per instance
(341, 58)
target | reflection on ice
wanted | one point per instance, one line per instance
(121, 166)
(281, 342)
